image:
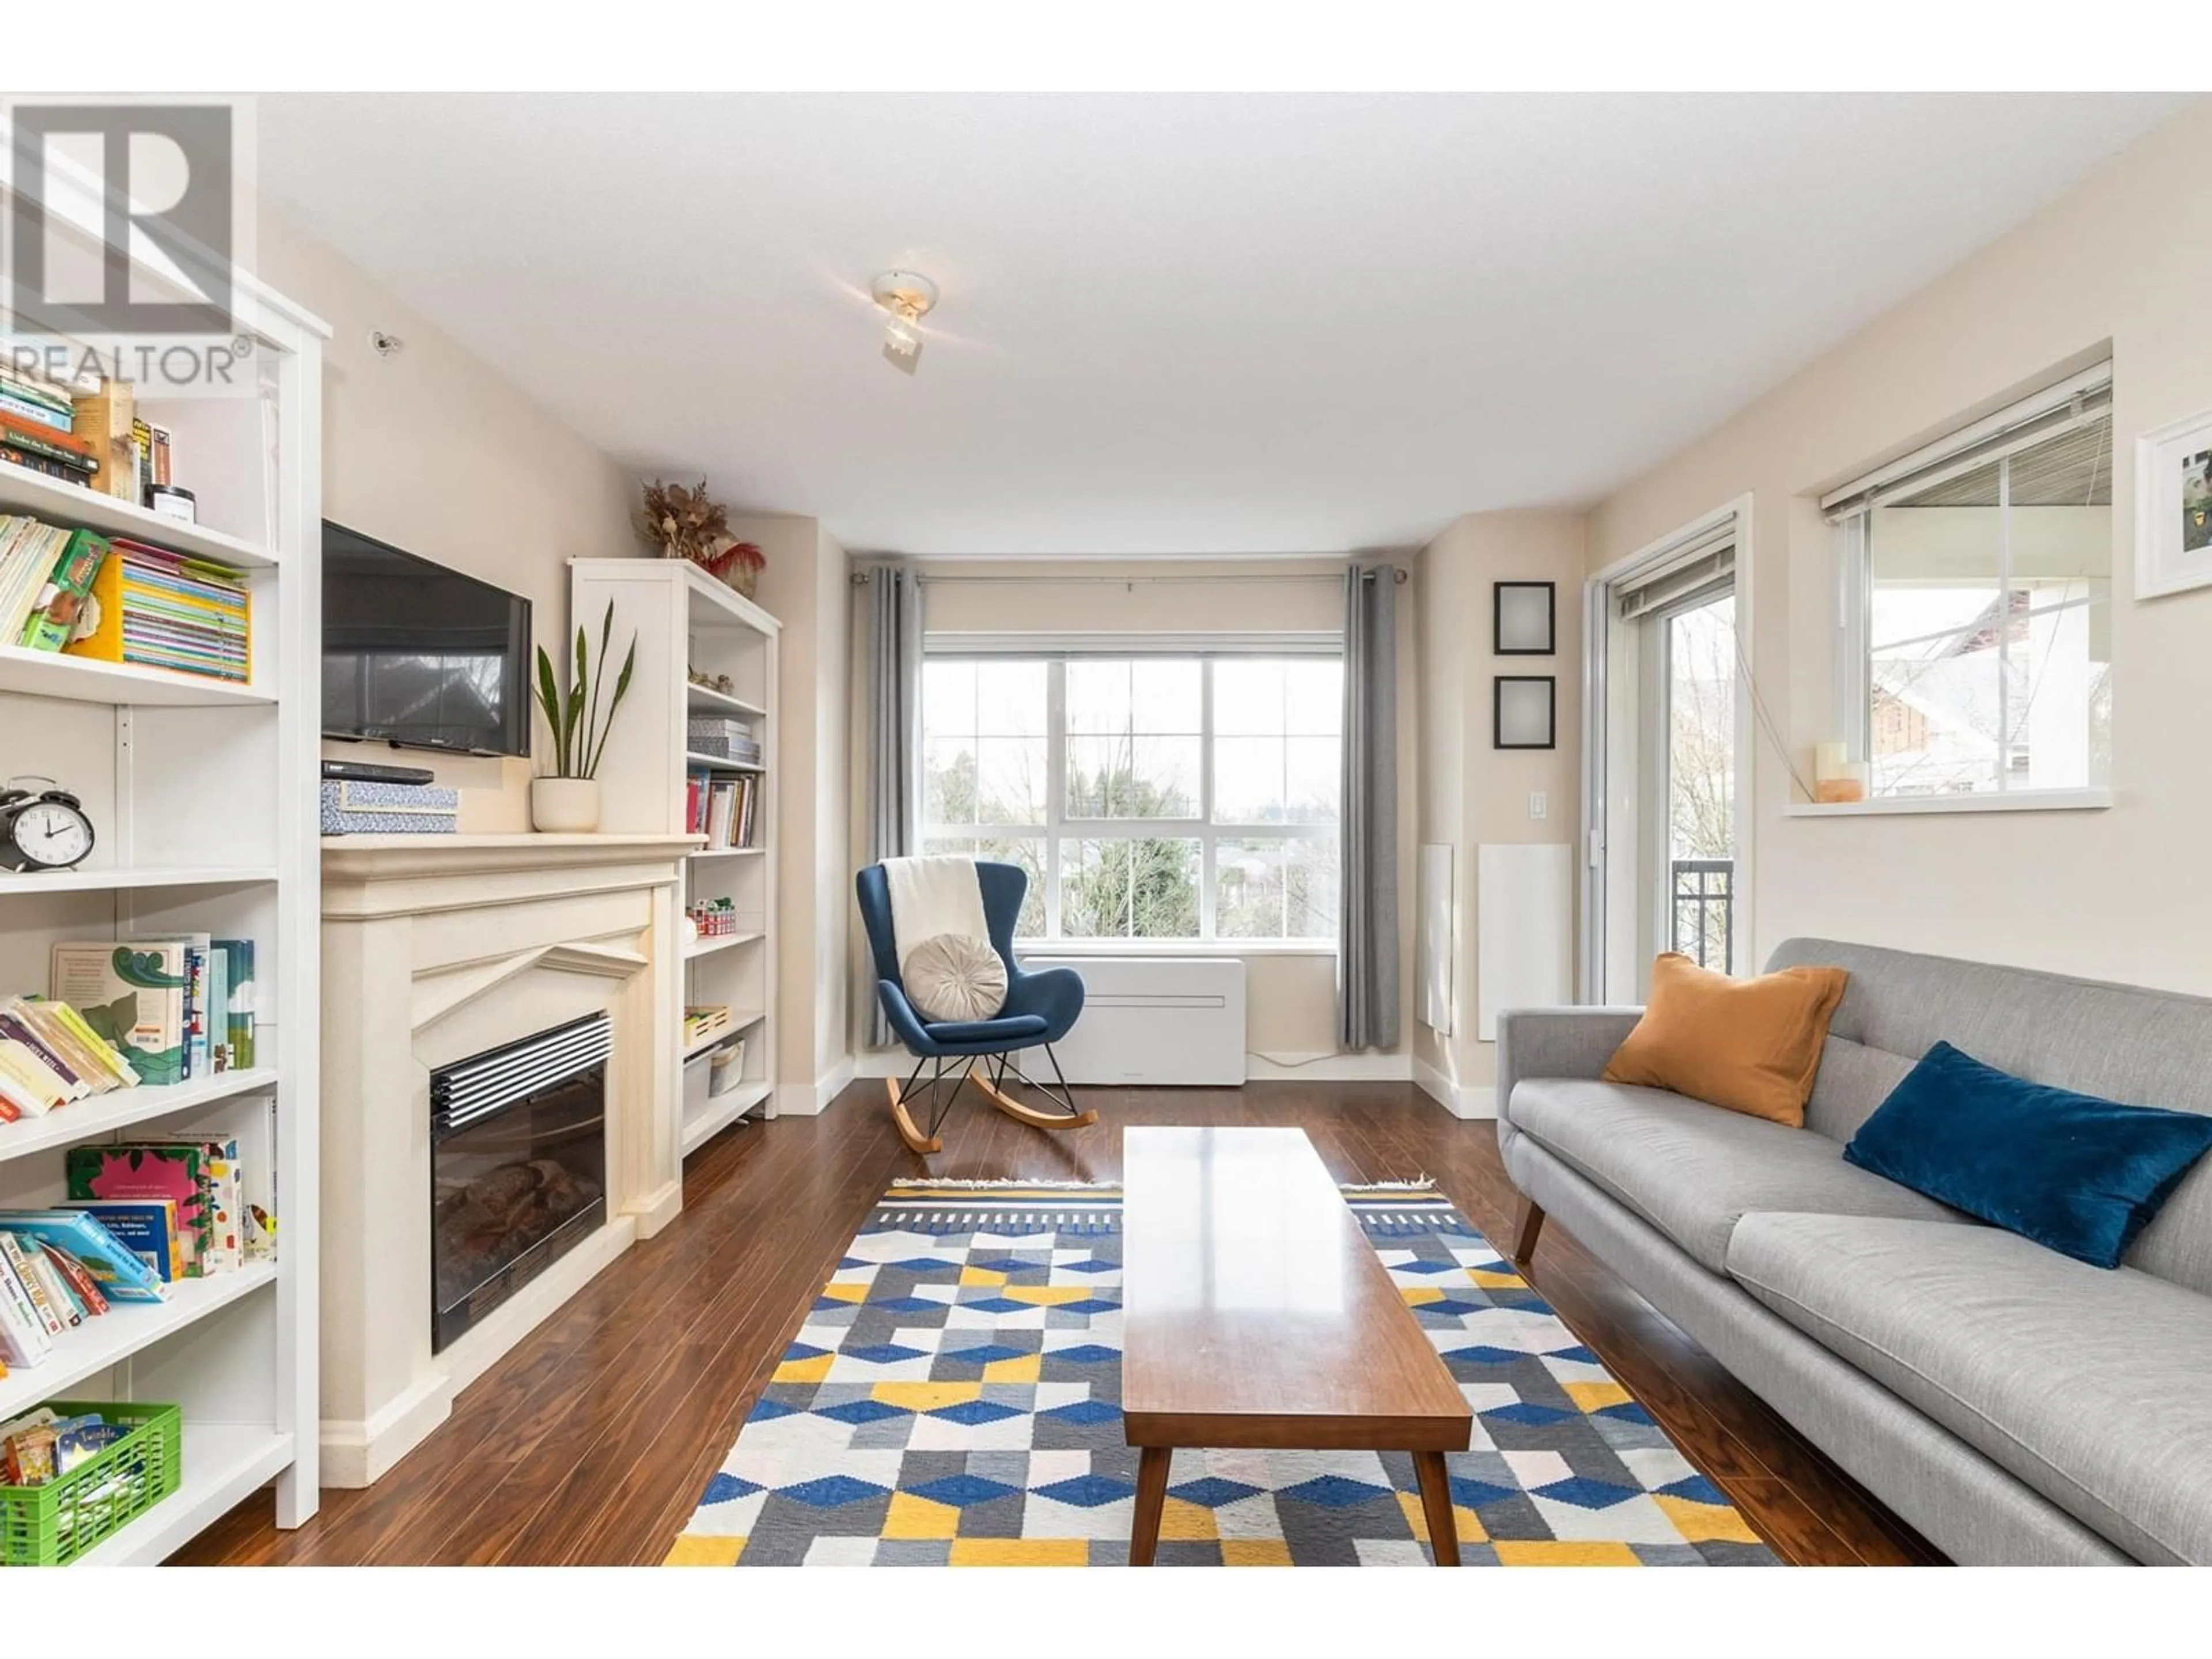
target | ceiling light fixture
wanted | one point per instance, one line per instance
(908, 297)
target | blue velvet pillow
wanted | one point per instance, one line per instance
(2078, 1175)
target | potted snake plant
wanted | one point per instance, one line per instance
(566, 801)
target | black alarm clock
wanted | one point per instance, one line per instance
(45, 830)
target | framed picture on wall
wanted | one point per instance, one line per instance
(2173, 507)
(1524, 619)
(1524, 712)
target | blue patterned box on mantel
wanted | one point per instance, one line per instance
(351, 807)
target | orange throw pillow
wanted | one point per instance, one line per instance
(1752, 1045)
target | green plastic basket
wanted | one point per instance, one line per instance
(51, 1525)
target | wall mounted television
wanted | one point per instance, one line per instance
(419, 656)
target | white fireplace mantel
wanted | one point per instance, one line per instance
(435, 948)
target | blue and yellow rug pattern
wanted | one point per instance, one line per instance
(953, 1399)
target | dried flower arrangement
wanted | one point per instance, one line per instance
(683, 522)
(686, 524)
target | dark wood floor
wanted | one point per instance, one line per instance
(592, 1441)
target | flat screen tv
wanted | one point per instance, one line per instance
(419, 656)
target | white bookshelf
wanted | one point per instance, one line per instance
(204, 804)
(684, 620)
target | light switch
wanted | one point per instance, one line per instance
(1539, 804)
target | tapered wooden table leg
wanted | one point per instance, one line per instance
(1436, 1506)
(1151, 1499)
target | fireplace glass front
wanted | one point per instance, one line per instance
(518, 1167)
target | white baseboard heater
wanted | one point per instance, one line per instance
(1155, 1020)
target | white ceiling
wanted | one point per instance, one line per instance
(1178, 324)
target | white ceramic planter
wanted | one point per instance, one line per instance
(564, 806)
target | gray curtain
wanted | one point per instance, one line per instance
(894, 691)
(1367, 922)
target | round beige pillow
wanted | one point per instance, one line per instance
(954, 977)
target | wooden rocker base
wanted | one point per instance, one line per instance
(908, 1130)
(1029, 1114)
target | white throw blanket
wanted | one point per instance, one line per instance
(934, 896)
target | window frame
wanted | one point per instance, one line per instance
(1849, 509)
(1059, 827)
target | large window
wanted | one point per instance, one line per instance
(1975, 645)
(1148, 798)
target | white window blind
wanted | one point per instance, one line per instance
(1705, 558)
(2081, 400)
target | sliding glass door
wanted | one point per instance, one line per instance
(1695, 879)
(1666, 735)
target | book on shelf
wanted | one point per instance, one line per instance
(132, 993)
(50, 1055)
(149, 457)
(21, 1263)
(82, 1285)
(201, 1177)
(28, 548)
(156, 1173)
(105, 419)
(24, 1339)
(184, 1215)
(38, 416)
(721, 808)
(200, 1049)
(161, 609)
(238, 1010)
(148, 1225)
(25, 432)
(39, 400)
(60, 601)
(121, 1276)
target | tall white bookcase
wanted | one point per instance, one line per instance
(685, 620)
(203, 800)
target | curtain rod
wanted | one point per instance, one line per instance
(1398, 575)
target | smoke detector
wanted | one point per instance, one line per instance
(908, 297)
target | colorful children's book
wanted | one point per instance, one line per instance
(66, 1044)
(19, 1263)
(218, 1007)
(29, 1085)
(173, 1171)
(122, 1277)
(59, 1296)
(239, 1012)
(23, 1338)
(148, 1225)
(226, 1201)
(33, 547)
(82, 1284)
(132, 995)
(98, 1061)
(199, 1053)
(54, 612)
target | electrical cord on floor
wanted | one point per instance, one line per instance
(1293, 1065)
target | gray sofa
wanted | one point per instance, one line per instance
(2013, 1405)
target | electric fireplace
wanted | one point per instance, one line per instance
(518, 1167)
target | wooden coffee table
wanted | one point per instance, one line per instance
(1255, 1313)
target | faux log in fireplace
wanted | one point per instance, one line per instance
(518, 1167)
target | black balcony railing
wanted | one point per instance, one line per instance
(1704, 898)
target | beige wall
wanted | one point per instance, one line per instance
(807, 587)
(432, 450)
(1469, 793)
(1290, 998)
(2108, 894)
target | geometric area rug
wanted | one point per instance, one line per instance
(953, 1399)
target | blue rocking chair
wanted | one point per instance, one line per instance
(1040, 1009)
